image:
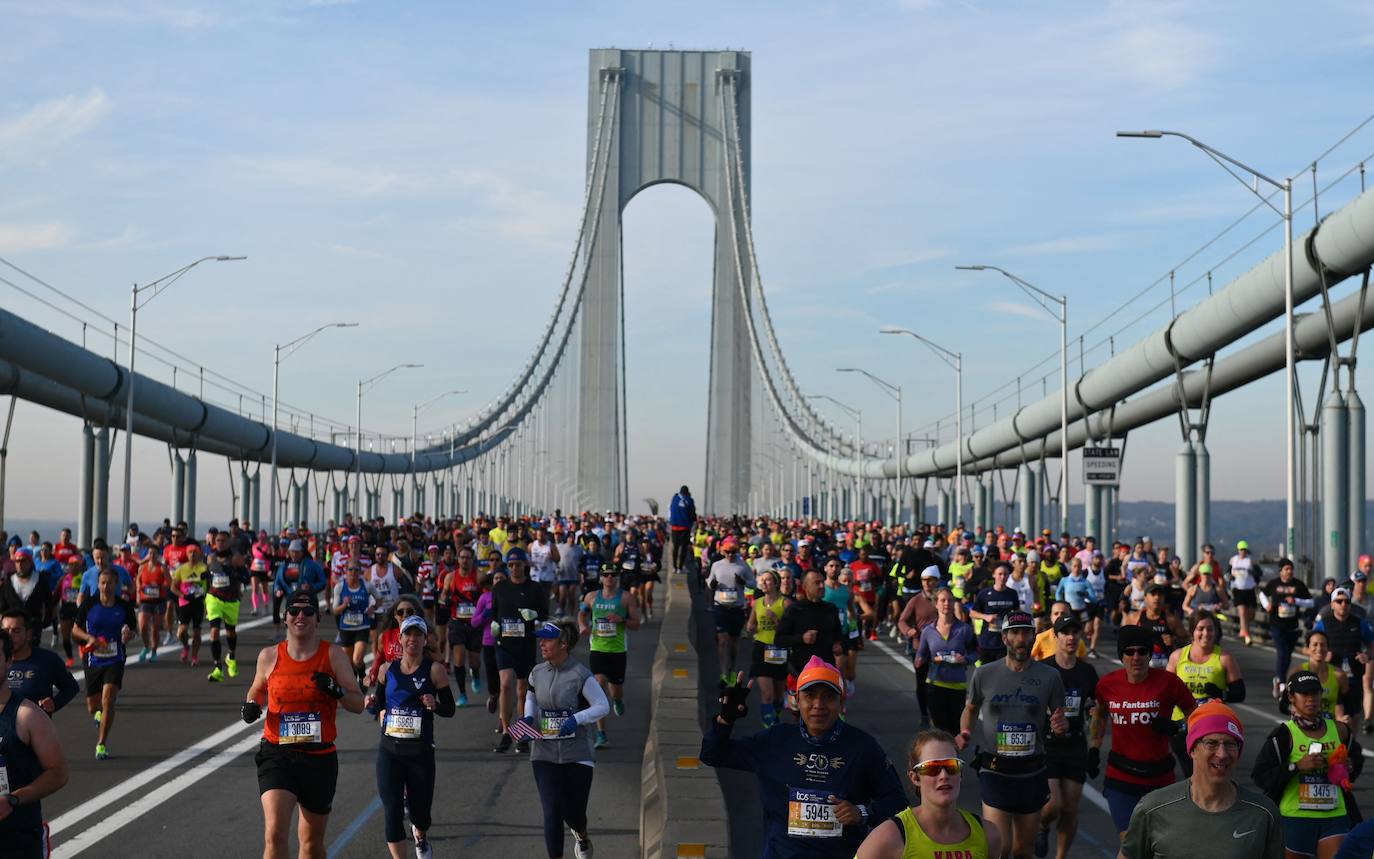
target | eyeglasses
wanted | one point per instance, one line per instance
(1212, 746)
(935, 766)
(1136, 651)
(404, 612)
(306, 610)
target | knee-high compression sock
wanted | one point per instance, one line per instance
(462, 677)
(215, 651)
(233, 637)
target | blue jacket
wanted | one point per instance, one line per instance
(848, 763)
(682, 512)
(309, 573)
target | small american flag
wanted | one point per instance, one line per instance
(523, 732)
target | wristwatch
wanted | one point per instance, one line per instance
(13, 800)
(863, 812)
(1292, 767)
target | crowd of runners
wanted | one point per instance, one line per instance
(531, 617)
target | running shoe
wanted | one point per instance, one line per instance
(153, 657)
(216, 676)
(462, 700)
(143, 655)
(422, 849)
(185, 654)
(1249, 642)
(255, 611)
(1368, 727)
(1042, 841)
(195, 661)
(1092, 654)
(618, 705)
(476, 680)
(502, 745)
(582, 846)
(522, 747)
(1277, 684)
(873, 635)
(232, 666)
(99, 714)
(100, 753)
(70, 662)
(601, 739)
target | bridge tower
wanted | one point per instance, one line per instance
(667, 129)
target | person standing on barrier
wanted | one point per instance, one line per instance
(682, 515)
(822, 783)
(1013, 703)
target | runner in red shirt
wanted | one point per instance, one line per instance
(1139, 702)
(868, 581)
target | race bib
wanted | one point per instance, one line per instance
(219, 581)
(1073, 702)
(466, 610)
(605, 628)
(1015, 740)
(649, 567)
(353, 619)
(403, 723)
(70, 594)
(551, 722)
(810, 814)
(300, 728)
(151, 592)
(1287, 610)
(854, 633)
(512, 628)
(1316, 793)
(865, 587)
(629, 565)
(4, 777)
(192, 590)
(774, 655)
(951, 656)
(727, 596)
(108, 650)
(1159, 659)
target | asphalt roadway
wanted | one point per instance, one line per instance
(885, 705)
(181, 781)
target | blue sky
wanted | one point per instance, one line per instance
(418, 167)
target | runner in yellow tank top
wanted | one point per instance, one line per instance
(937, 826)
(768, 667)
(1335, 683)
(1200, 664)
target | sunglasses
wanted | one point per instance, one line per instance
(609, 573)
(301, 609)
(404, 612)
(1136, 651)
(1340, 601)
(935, 766)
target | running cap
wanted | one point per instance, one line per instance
(930, 572)
(432, 547)
(729, 544)
(978, 550)
(1132, 636)
(1214, 717)
(1067, 622)
(1340, 592)
(1364, 559)
(517, 554)
(1305, 683)
(1204, 568)
(928, 544)
(816, 671)
(548, 630)
(1017, 620)
(414, 622)
(1242, 545)
(1157, 588)
(296, 546)
(302, 598)
(25, 553)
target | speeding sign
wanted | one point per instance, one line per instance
(1102, 466)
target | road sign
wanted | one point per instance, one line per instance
(1102, 466)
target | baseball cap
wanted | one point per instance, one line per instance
(729, 544)
(1340, 592)
(1214, 717)
(818, 671)
(1242, 545)
(302, 598)
(931, 572)
(296, 546)
(548, 630)
(1305, 682)
(1067, 622)
(1017, 620)
(1157, 588)
(414, 622)
(517, 554)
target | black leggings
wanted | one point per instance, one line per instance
(946, 706)
(563, 791)
(402, 780)
(489, 666)
(682, 549)
(922, 696)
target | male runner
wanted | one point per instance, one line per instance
(458, 595)
(1066, 757)
(988, 608)
(105, 624)
(518, 604)
(34, 767)
(604, 618)
(36, 674)
(227, 576)
(188, 583)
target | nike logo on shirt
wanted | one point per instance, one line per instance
(1235, 834)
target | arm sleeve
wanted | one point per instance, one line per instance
(130, 619)
(338, 592)
(446, 706)
(531, 705)
(597, 705)
(66, 686)
(718, 750)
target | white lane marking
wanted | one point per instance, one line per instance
(176, 645)
(149, 801)
(153, 773)
(1089, 792)
(348, 834)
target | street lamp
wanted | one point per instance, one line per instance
(415, 428)
(858, 417)
(277, 357)
(365, 385)
(1044, 299)
(956, 361)
(894, 391)
(1290, 359)
(158, 287)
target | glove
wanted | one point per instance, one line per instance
(327, 684)
(1212, 690)
(1094, 761)
(1163, 725)
(528, 613)
(496, 628)
(733, 703)
(569, 727)
(251, 711)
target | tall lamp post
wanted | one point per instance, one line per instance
(279, 353)
(1290, 359)
(365, 385)
(894, 391)
(1045, 300)
(956, 361)
(415, 430)
(158, 287)
(858, 417)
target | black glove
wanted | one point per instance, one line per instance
(327, 684)
(1212, 690)
(1285, 706)
(733, 703)
(1094, 761)
(251, 711)
(1163, 725)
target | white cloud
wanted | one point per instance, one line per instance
(34, 237)
(324, 175)
(1012, 308)
(522, 213)
(1070, 245)
(55, 120)
(361, 253)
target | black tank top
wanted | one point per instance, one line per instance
(21, 768)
